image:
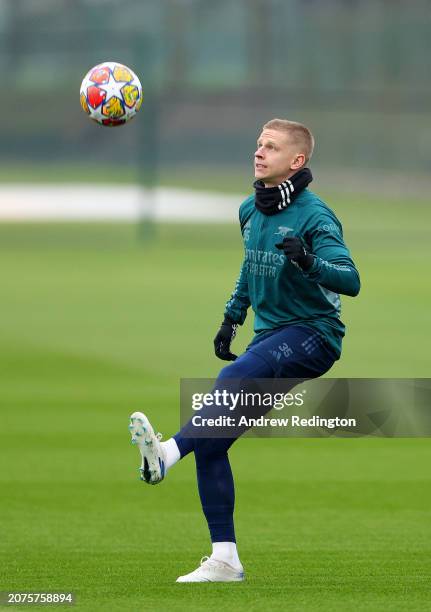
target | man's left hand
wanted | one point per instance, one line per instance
(295, 250)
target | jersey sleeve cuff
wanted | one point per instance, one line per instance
(312, 269)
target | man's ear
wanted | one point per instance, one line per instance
(298, 161)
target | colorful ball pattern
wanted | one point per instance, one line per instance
(111, 94)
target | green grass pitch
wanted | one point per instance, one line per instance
(95, 325)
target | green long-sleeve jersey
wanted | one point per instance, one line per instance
(279, 292)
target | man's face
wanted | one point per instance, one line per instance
(276, 159)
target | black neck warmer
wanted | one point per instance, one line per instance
(272, 200)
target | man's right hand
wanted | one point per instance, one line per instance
(223, 340)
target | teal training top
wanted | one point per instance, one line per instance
(279, 292)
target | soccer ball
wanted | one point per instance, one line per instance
(111, 94)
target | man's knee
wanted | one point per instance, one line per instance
(248, 365)
(233, 370)
(207, 448)
(243, 367)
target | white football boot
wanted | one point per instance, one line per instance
(153, 456)
(212, 570)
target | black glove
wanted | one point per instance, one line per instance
(223, 340)
(295, 250)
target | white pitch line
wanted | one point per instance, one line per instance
(116, 202)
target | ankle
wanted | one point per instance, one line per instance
(172, 452)
(226, 552)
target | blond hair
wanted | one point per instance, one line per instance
(297, 132)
